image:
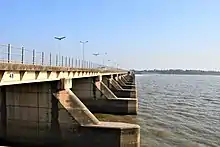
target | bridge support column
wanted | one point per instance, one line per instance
(55, 125)
(124, 84)
(97, 96)
(3, 111)
(91, 131)
(122, 90)
(129, 78)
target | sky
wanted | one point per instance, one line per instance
(136, 34)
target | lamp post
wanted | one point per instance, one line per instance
(95, 54)
(108, 63)
(116, 65)
(59, 38)
(83, 43)
(103, 62)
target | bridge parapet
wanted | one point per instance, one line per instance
(21, 55)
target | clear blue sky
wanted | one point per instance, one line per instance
(140, 34)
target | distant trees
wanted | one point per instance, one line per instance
(177, 71)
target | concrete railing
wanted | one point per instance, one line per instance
(20, 55)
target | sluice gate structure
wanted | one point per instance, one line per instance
(47, 104)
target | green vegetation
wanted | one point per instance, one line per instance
(177, 71)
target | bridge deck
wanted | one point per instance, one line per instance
(29, 67)
(11, 73)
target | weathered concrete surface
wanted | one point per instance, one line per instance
(35, 116)
(128, 134)
(85, 88)
(118, 85)
(105, 90)
(28, 106)
(121, 106)
(30, 112)
(130, 78)
(114, 83)
(123, 93)
(11, 74)
(90, 126)
(125, 85)
(3, 111)
(76, 108)
(99, 99)
(126, 82)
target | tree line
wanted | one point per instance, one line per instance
(177, 71)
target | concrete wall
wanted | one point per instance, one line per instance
(124, 93)
(34, 115)
(85, 89)
(117, 137)
(89, 94)
(28, 110)
(97, 102)
(105, 80)
(2, 112)
(113, 106)
(124, 85)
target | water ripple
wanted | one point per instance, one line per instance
(179, 111)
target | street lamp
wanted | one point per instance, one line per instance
(59, 38)
(95, 54)
(103, 62)
(115, 65)
(83, 42)
(108, 63)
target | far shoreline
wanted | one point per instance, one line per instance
(177, 72)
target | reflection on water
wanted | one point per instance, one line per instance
(177, 110)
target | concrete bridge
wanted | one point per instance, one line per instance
(45, 104)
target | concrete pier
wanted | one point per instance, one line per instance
(98, 97)
(42, 105)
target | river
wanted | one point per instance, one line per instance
(177, 110)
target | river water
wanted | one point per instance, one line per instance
(177, 110)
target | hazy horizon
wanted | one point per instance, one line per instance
(175, 69)
(154, 34)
